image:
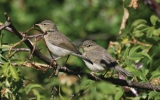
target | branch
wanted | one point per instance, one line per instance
(37, 53)
(21, 49)
(38, 66)
(28, 42)
(153, 5)
(6, 24)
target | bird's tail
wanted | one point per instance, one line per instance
(122, 71)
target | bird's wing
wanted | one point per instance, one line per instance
(94, 55)
(100, 56)
(58, 39)
(107, 60)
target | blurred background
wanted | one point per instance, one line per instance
(79, 20)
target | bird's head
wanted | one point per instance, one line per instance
(47, 25)
(88, 45)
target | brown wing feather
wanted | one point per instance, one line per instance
(60, 40)
(100, 56)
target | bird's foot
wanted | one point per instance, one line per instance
(96, 77)
(92, 73)
(56, 69)
(57, 58)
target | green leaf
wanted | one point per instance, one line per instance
(144, 96)
(133, 50)
(146, 72)
(152, 94)
(13, 72)
(145, 55)
(5, 69)
(128, 62)
(93, 90)
(139, 74)
(119, 94)
(137, 98)
(7, 84)
(153, 19)
(36, 93)
(150, 32)
(2, 59)
(156, 32)
(5, 47)
(107, 88)
(138, 33)
(134, 55)
(31, 86)
(155, 73)
(85, 83)
(137, 22)
(140, 27)
(125, 54)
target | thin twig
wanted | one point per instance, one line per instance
(36, 65)
(34, 47)
(59, 93)
(21, 49)
(54, 90)
(16, 44)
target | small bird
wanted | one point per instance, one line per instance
(56, 42)
(101, 59)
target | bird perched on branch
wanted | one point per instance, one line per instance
(101, 59)
(58, 43)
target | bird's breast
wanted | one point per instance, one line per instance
(94, 67)
(56, 50)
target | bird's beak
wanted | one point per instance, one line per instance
(37, 27)
(82, 46)
(37, 24)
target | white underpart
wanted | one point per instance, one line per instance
(94, 67)
(56, 50)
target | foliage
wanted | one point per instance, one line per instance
(136, 48)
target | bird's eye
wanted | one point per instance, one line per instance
(88, 45)
(44, 24)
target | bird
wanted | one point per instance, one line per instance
(57, 43)
(100, 58)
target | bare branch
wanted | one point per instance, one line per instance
(37, 53)
(29, 44)
(21, 49)
(38, 66)
(153, 5)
